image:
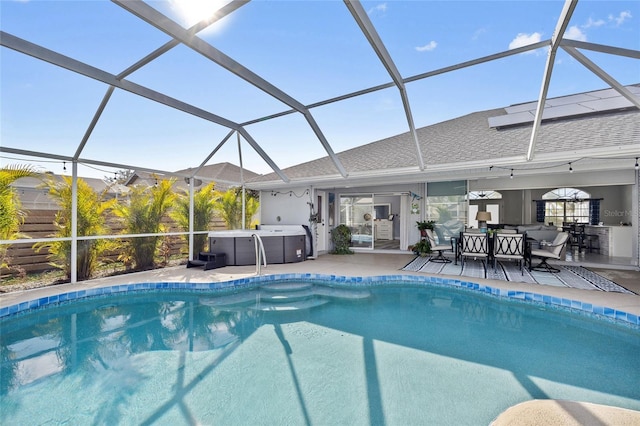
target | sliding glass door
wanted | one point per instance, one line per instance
(357, 212)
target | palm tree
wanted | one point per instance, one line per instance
(143, 214)
(251, 208)
(204, 203)
(11, 214)
(91, 219)
(229, 205)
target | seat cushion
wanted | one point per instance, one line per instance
(526, 228)
(544, 253)
(509, 256)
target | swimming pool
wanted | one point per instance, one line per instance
(392, 350)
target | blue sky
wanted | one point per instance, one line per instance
(311, 50)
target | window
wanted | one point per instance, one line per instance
(566, 205)
(484, 195)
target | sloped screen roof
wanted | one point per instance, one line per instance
(166, 85)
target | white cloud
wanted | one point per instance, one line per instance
(523, 39)
(575, 33)
(580, 33)
(427, 47)
(594, 23)
(619, 20)
(382, 7)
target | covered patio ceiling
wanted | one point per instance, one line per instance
(141, 85)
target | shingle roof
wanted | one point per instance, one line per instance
(225, 175)
(98, 185)
(470, 139)
(35, 195)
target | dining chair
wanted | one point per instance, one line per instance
(475, 245)
(509, 247)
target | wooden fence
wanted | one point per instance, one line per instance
(40, 224)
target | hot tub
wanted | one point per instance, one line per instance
(280, 245)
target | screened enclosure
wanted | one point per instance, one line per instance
(98, 89)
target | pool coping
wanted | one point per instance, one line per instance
(609, 314)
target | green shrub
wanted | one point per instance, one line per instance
(229, 206)
(204, 206)
(91, 211)
(11, 213)
(143, 214)
(341, 238)
(422, 247)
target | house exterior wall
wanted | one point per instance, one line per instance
(616, 204)
(619, 190)
(515, 201)
(286, 207)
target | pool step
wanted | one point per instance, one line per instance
(231, 299)
(295, 305)
(286, 287)
(288, 296)
(321, 290)
(341, 293)
(278, 297)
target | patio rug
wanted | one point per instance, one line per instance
(569, 276)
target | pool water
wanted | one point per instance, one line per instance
(392, 356)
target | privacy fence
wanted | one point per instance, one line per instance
(40, 224)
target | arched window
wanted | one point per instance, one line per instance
(566, 194)
(484, 195)
(566, 205)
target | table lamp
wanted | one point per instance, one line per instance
(482, 218)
